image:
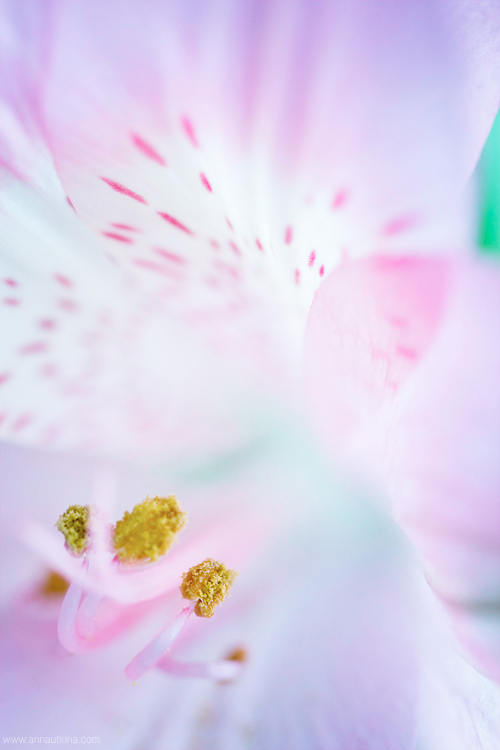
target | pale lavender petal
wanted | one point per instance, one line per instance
(444, 468)
(403, 373)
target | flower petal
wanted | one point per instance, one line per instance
(370, 324)
(444, 469)
(223, 160)
(406, 389)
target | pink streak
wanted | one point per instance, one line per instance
(124, 190)
(22, 422)
(37, 347)
(174, 222)
(147, 149)
(169, 255)
(396, 226)
(205, 182)
(126, 227)
(63, 280)
(188, 128)
(339, 199)
(119, 237)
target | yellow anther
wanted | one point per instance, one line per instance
(54, 585)
(209, 582)
(237, 654)
(149, 531)
(73, 525)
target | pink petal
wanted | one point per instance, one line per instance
(444, 469)
(403, 366)
(369, 326)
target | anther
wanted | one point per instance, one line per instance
(73, 524)
(54, 585)
(209, 583)
(149, 531)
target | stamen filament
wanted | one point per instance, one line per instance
(66, 624)
(86, 614)
(223, 670)
(149, 656)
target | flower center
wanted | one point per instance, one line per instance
(209, 583)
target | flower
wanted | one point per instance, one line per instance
(182, 181)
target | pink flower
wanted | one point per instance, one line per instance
(187, 189)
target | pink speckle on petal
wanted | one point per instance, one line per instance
(22, 422)
(11, 282)
(312, 258)
(147, 150)
(48, 324)
(214, 244)
(67, 305)
(339, 199)
(406, 352)
(63, 280)
(4, 377)
(297, 276)
(401, 224)
(36, 347)
(259, 245)
(205, 182)
(322, 271)
(169, 255)
(227, 269)
(149, 265)
(123, 190)
(229, 224)
(174, 222)
(126, 227)
(12, 302)
(68, 201)
(189, 130)
(49, 371)
(288, 235)
(118, 237)
(344, 255)
(234, 247)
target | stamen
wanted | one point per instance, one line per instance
(149, 531)
(209, 583)
(206, 585)
(73, 524)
